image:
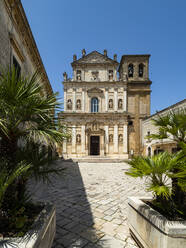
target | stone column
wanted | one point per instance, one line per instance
(115, 99)
(74, 139)
(125, 138)
(125, 99)
(83, 100)
(83, 139)
(102, 145)
(106, 99)
(115, 138)
(83, 75)
(115, 75)
(106, 138)
(86, 102)
(74, 100)
(65, 99)
(148, 104)
(86, 144)
(64, 146)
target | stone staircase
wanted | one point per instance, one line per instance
(98, 159)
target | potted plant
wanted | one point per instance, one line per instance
(160, 221)
(29, 132)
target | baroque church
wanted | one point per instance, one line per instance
(104, 105)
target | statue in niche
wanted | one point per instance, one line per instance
(78, 76)
(120, 104)
(78, 104)
(110, 138)
(110, 103)
(78, 138)
(69, 140)
(95, 127)
(65, 76)
(120, 138)
(69, 104)
(110, 75)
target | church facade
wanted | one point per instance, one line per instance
(103, 112)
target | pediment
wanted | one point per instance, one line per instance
(95, 58)
(95, 90)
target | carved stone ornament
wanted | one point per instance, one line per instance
(69, 104)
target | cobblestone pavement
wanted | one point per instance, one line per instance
(91, 203)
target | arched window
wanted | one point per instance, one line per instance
(140, 70)
(130, 70)
(120, 104)
(110, 104)
(110, 138)
(78, 138)
(78, 104)
(120, 138)
(94, 105)
(69, 104)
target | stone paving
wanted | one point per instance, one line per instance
(91, 204)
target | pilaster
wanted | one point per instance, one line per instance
(115, 138)
(125, 138)
(83, 100)
(65, 99)
(106, 99)
(125, 99)
(102, 145)
(106, 138)
(83, 139)
(74, 139)
(74, 99)
(115, 99)
(64, 146)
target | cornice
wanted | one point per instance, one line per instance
(114, 115)
(18, 17)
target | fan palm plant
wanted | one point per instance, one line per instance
(156, 170)
(166, 173)
(173, 126)
(27, 123)
(7, 178)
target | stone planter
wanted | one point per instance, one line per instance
(152, 230)
(40, 236)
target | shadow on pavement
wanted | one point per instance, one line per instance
(74, 227)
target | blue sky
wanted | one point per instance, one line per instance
(62, 28)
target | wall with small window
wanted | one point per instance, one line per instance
(17, 44)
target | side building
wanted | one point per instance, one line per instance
(17, 44)
(104, 112)
(151, 147)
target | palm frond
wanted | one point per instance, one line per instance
(7, 178)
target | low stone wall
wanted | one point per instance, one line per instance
(151, 229)
(40, 236)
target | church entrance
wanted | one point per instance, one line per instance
(94, 145)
